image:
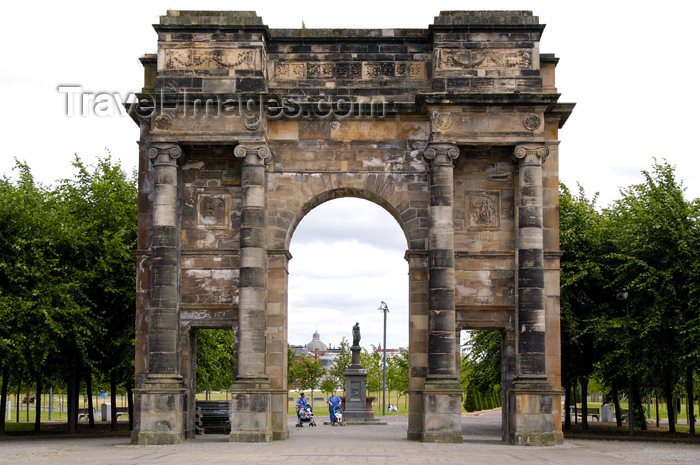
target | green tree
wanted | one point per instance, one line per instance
(481, 367)
(654, 229)
(397, 374)
(341, 363)
(44, 326)
(372, 362)
(215, 359)
(584, 294)
(102, 201)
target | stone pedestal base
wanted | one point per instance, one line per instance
(356, 395)
(251, 418)
(356, 390)
(442, 410)
(162, 410)
(280, 414)
(532, 422)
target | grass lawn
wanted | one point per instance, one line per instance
(663, 412)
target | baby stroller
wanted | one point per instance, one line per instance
(338, 415)
(305, 415)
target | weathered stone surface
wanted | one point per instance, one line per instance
(244, 130)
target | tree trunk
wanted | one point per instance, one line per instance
(584, 403)
(130, 404)
(88, 387)
(691, 398)
(567, 407)
(668, 393)
(113, 399)
(616, 403)
(73, 386)
(575, 403)
(3, 397)
(639, 415)
(37, 404)
(656, 398)
(19, 390)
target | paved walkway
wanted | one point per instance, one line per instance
(353, 444)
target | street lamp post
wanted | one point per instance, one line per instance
(630, 408)
(385, 309)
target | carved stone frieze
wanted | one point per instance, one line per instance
(296, 70)
(192, 58)
(319, 70)
(378, 70)
(487, 58)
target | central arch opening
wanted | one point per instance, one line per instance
(348, 258)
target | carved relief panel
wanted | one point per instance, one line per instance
(214, 209)
(483, 209)
(205, 58)
(447, 59)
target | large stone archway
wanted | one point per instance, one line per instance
(244, 129)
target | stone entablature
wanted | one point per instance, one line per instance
(245, 129)
(201, 52)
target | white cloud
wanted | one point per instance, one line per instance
(334, 282)
(631, 70)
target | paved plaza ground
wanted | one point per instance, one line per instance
(350, 444)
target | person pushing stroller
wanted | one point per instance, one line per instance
(336, 413)
(304, 412)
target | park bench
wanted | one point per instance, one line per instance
(212, 416)
(83, 413)
(594, 413)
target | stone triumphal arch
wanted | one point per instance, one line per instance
(453, 129)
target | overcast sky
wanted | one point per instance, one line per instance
(631, 70)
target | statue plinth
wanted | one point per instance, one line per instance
(357, 410)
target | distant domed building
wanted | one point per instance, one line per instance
(317, 346)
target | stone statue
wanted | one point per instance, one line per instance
(356, 335)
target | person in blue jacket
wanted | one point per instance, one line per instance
(333, 400)
(302, 403)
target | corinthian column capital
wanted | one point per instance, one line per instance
(441, 153)
(530, 153)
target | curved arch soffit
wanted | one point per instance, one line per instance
(341, 193)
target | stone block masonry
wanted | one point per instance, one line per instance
(453, 129)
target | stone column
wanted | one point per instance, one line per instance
(276, 345)
(418, 334)
(250, 393)
(507, 375)
(531, 396)
(442, 392)
(162, 393)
